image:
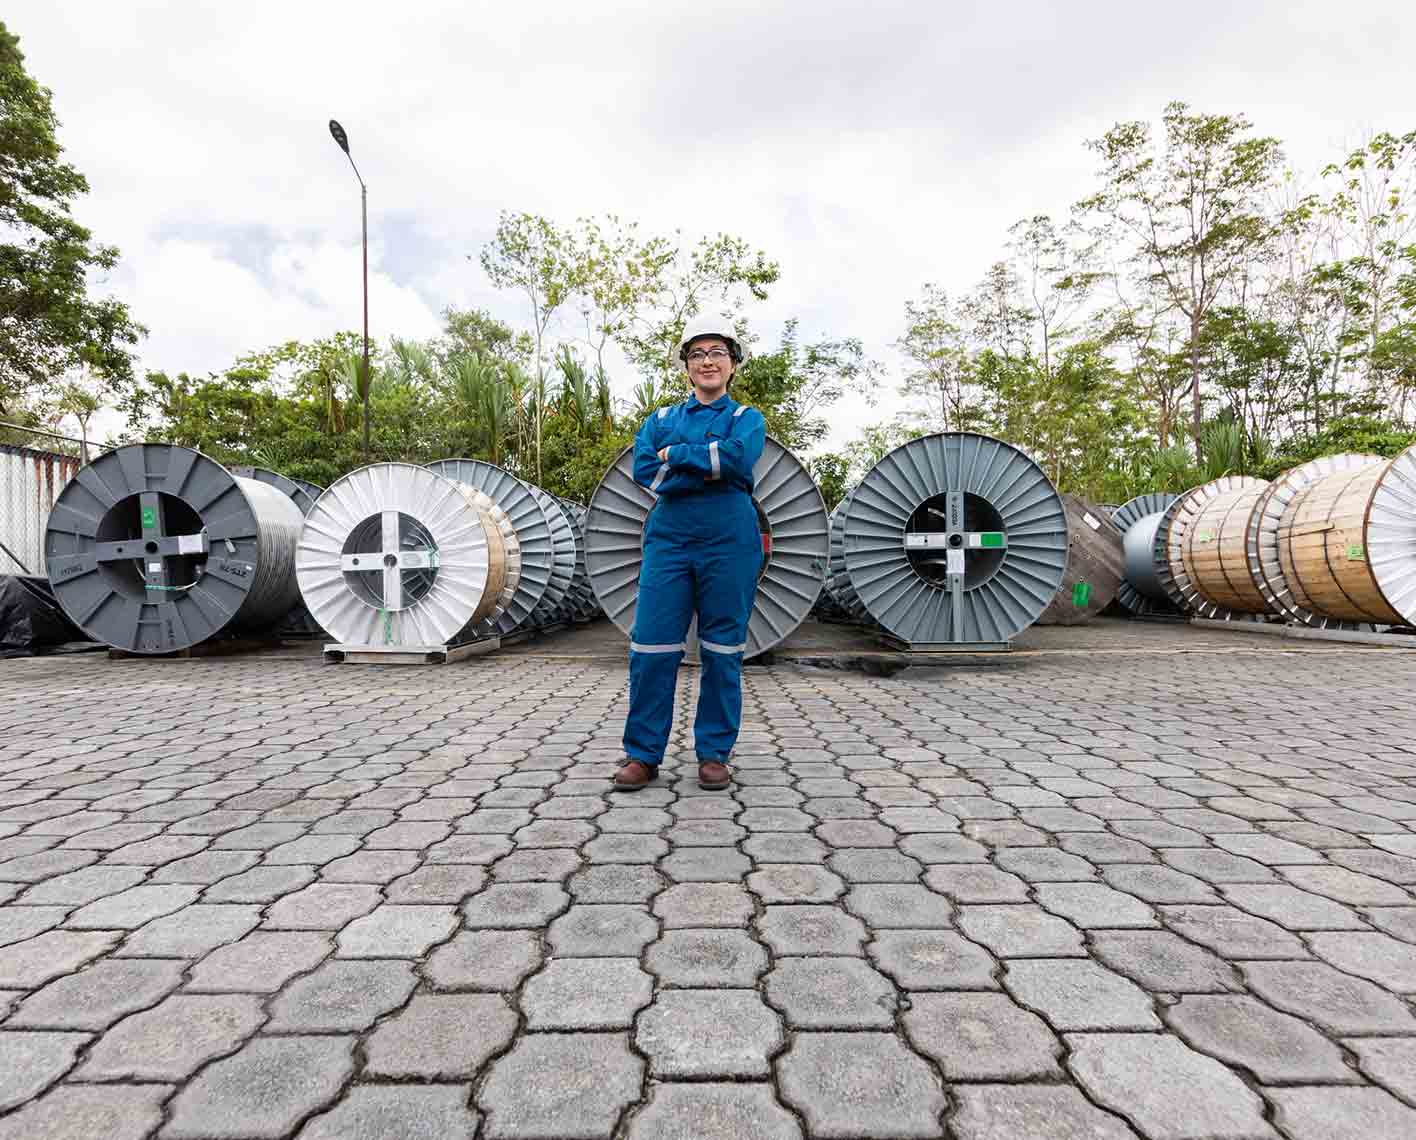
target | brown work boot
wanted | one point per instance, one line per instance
(635, 775)
(713, 776)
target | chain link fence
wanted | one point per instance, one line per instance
(34, 467)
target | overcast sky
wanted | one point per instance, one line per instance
(868, 147)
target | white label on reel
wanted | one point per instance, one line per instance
(189, 544)
(1092, 521)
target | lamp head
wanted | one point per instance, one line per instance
(339, 136)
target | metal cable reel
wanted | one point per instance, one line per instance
(1141, 591)
(395, 555)
(301, 493)
(1391, 535)
(791, 516)
(838, 579)
(1262, 537)
(154, 548)
(533, 533)
(562, 560)
(955, 539)
(580, 601)
(1184, 525)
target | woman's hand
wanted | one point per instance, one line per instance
(664, 454)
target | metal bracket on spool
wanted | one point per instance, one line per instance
(957, 544)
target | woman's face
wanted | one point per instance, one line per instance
(710, 363)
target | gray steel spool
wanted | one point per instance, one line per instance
(1141, 592)
(297, 490)
(1261, 537)
(1391, 535)
(533, 533)
(789, 508)
(1170, 535)
(563, 546)
(393, 554)
(581, 601)
(956, 539)
(838, 579)
(154, 548)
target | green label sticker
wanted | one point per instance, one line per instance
(990, 538)
(1205, 536)
(149, 518)
(1081, 594)
(1356, 553)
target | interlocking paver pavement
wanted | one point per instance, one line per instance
(1142, 892)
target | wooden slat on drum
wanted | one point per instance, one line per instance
(1213, 550)
(1096, 564)
(1322, 548)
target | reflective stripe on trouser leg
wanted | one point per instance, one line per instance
(664, 609)
(726, 585)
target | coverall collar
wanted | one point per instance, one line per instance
(694, 404)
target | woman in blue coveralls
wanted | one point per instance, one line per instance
(702, 554)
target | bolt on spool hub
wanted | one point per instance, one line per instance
(154, 548)
(955, 539)
(789, 509)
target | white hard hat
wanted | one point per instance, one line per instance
(698, 329)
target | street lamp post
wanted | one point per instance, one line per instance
(342, 139)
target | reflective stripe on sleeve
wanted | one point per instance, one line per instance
(635, 647)
(663, 412)
(713, 458)
(714, 647)
(660, 477)
(741, 408)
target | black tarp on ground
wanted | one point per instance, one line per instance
(31, 620)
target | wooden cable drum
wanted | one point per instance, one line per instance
(1262, 537)
(1095, 565)
(495, 596)
(1347, 543)
(1200, 550)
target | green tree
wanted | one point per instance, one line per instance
(832, 472)
(49, 324)
(941, 376)
(1192, 212)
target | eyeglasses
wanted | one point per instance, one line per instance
(699, 355)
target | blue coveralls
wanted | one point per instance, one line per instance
(702, 553)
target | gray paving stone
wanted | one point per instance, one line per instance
(1347, 886)
(98, 996)
(1021, 930)
(1101, 848)
(1217, 866)
(1157, 884)
(31, 1062)
(86, 885)
(602, 931)
(703, 905)
(1231, 933)
(620, 848)
(478, 849)
(831, 993)
(811, 930)
(1162, 962)
(1032, 1112)
(380, 1112)
(507, 906)
(1390, 1061)
(1341, 1114)
(31, 868)
(1094, 906)
(618, 884)
(713, 1112)
(1045, 865)
(795, 883)
(129, 909)
(857, 833)
(596, 1078)
(260, 885)
(490, 960)
(322, 906)
(706, 865)
(341, 996)
(1075, 994)
(396, 931)
(21, 923)
(260, 963)
(1291, 908)
(976, 883)
(191, 932)
(701, 959)
(441, 1037)
(173, 1040)
(586, 993)
(875, 865)
(29, 964)
(982, 1037)
(1329, 998)
(899, 905)
(89, 1112)
(1244, 1032)
(932, 960)
(265, 1089)
(1377, 957)
(709, 1033)
(538, 864)
(860, 1085)
(1151, 1080)
(205, 868)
